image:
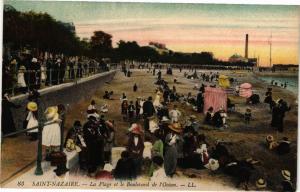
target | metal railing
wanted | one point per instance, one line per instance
(23, 81)
(39, 170)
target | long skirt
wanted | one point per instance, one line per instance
(51, 135)
(170, 160)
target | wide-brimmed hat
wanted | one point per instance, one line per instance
(108, 167)
(213, 164)
(269, 138)
(93, 115)
(51, 112)
(192, 117)
(32, 106)
(165, 119)
(261, 183)
(175, 127)
(136, 129)
(286, 174)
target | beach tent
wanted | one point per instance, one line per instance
(245, 90)
(216, 98)
(224, 81)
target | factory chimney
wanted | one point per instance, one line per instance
(246, 47)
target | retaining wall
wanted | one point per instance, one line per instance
(67, 94)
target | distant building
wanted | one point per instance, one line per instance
(281, 67)
(253, 61)
(237, 58)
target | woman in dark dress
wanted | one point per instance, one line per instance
(209, 116)
(7, 121)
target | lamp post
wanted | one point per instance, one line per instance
(39, 170)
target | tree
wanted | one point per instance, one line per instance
(101, 44)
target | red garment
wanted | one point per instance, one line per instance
(216, 98)
(104, 175)
(205, 158)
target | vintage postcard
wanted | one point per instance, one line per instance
(149, 96)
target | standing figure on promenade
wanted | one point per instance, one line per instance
(7, 120)
(32, 120)
(51, 135)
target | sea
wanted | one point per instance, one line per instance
(292, 82)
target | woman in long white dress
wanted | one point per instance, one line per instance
(43, 73)
(21, 79)
(156, 102)
(51, 132)
(32, 120)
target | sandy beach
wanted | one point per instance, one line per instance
(245, 140)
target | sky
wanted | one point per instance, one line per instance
(215, 28)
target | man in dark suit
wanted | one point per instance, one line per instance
(148, 111)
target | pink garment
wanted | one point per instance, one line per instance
(245, 90)
(216, 98)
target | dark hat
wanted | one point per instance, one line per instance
(77, 123)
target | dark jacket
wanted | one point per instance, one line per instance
(148, 108)
(135, 151)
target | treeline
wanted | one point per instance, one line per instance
(41, 32)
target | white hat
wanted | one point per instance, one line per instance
(34, 60)
(213, 164)
(96, 115)
(108, 167)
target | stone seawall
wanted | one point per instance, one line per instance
(67, 94)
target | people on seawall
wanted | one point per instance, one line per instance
(26, 69)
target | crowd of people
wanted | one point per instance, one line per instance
(25, 71)
(175, 142)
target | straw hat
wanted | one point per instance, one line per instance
(108, 167)
(213, 164)
(51, 112)
(286, 174)
(193, 117)
(32, 106)
(165, 119)
(269, 138)
(261, 183)
(175, 127)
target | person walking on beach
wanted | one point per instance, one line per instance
(148, 111)
(278, 114)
